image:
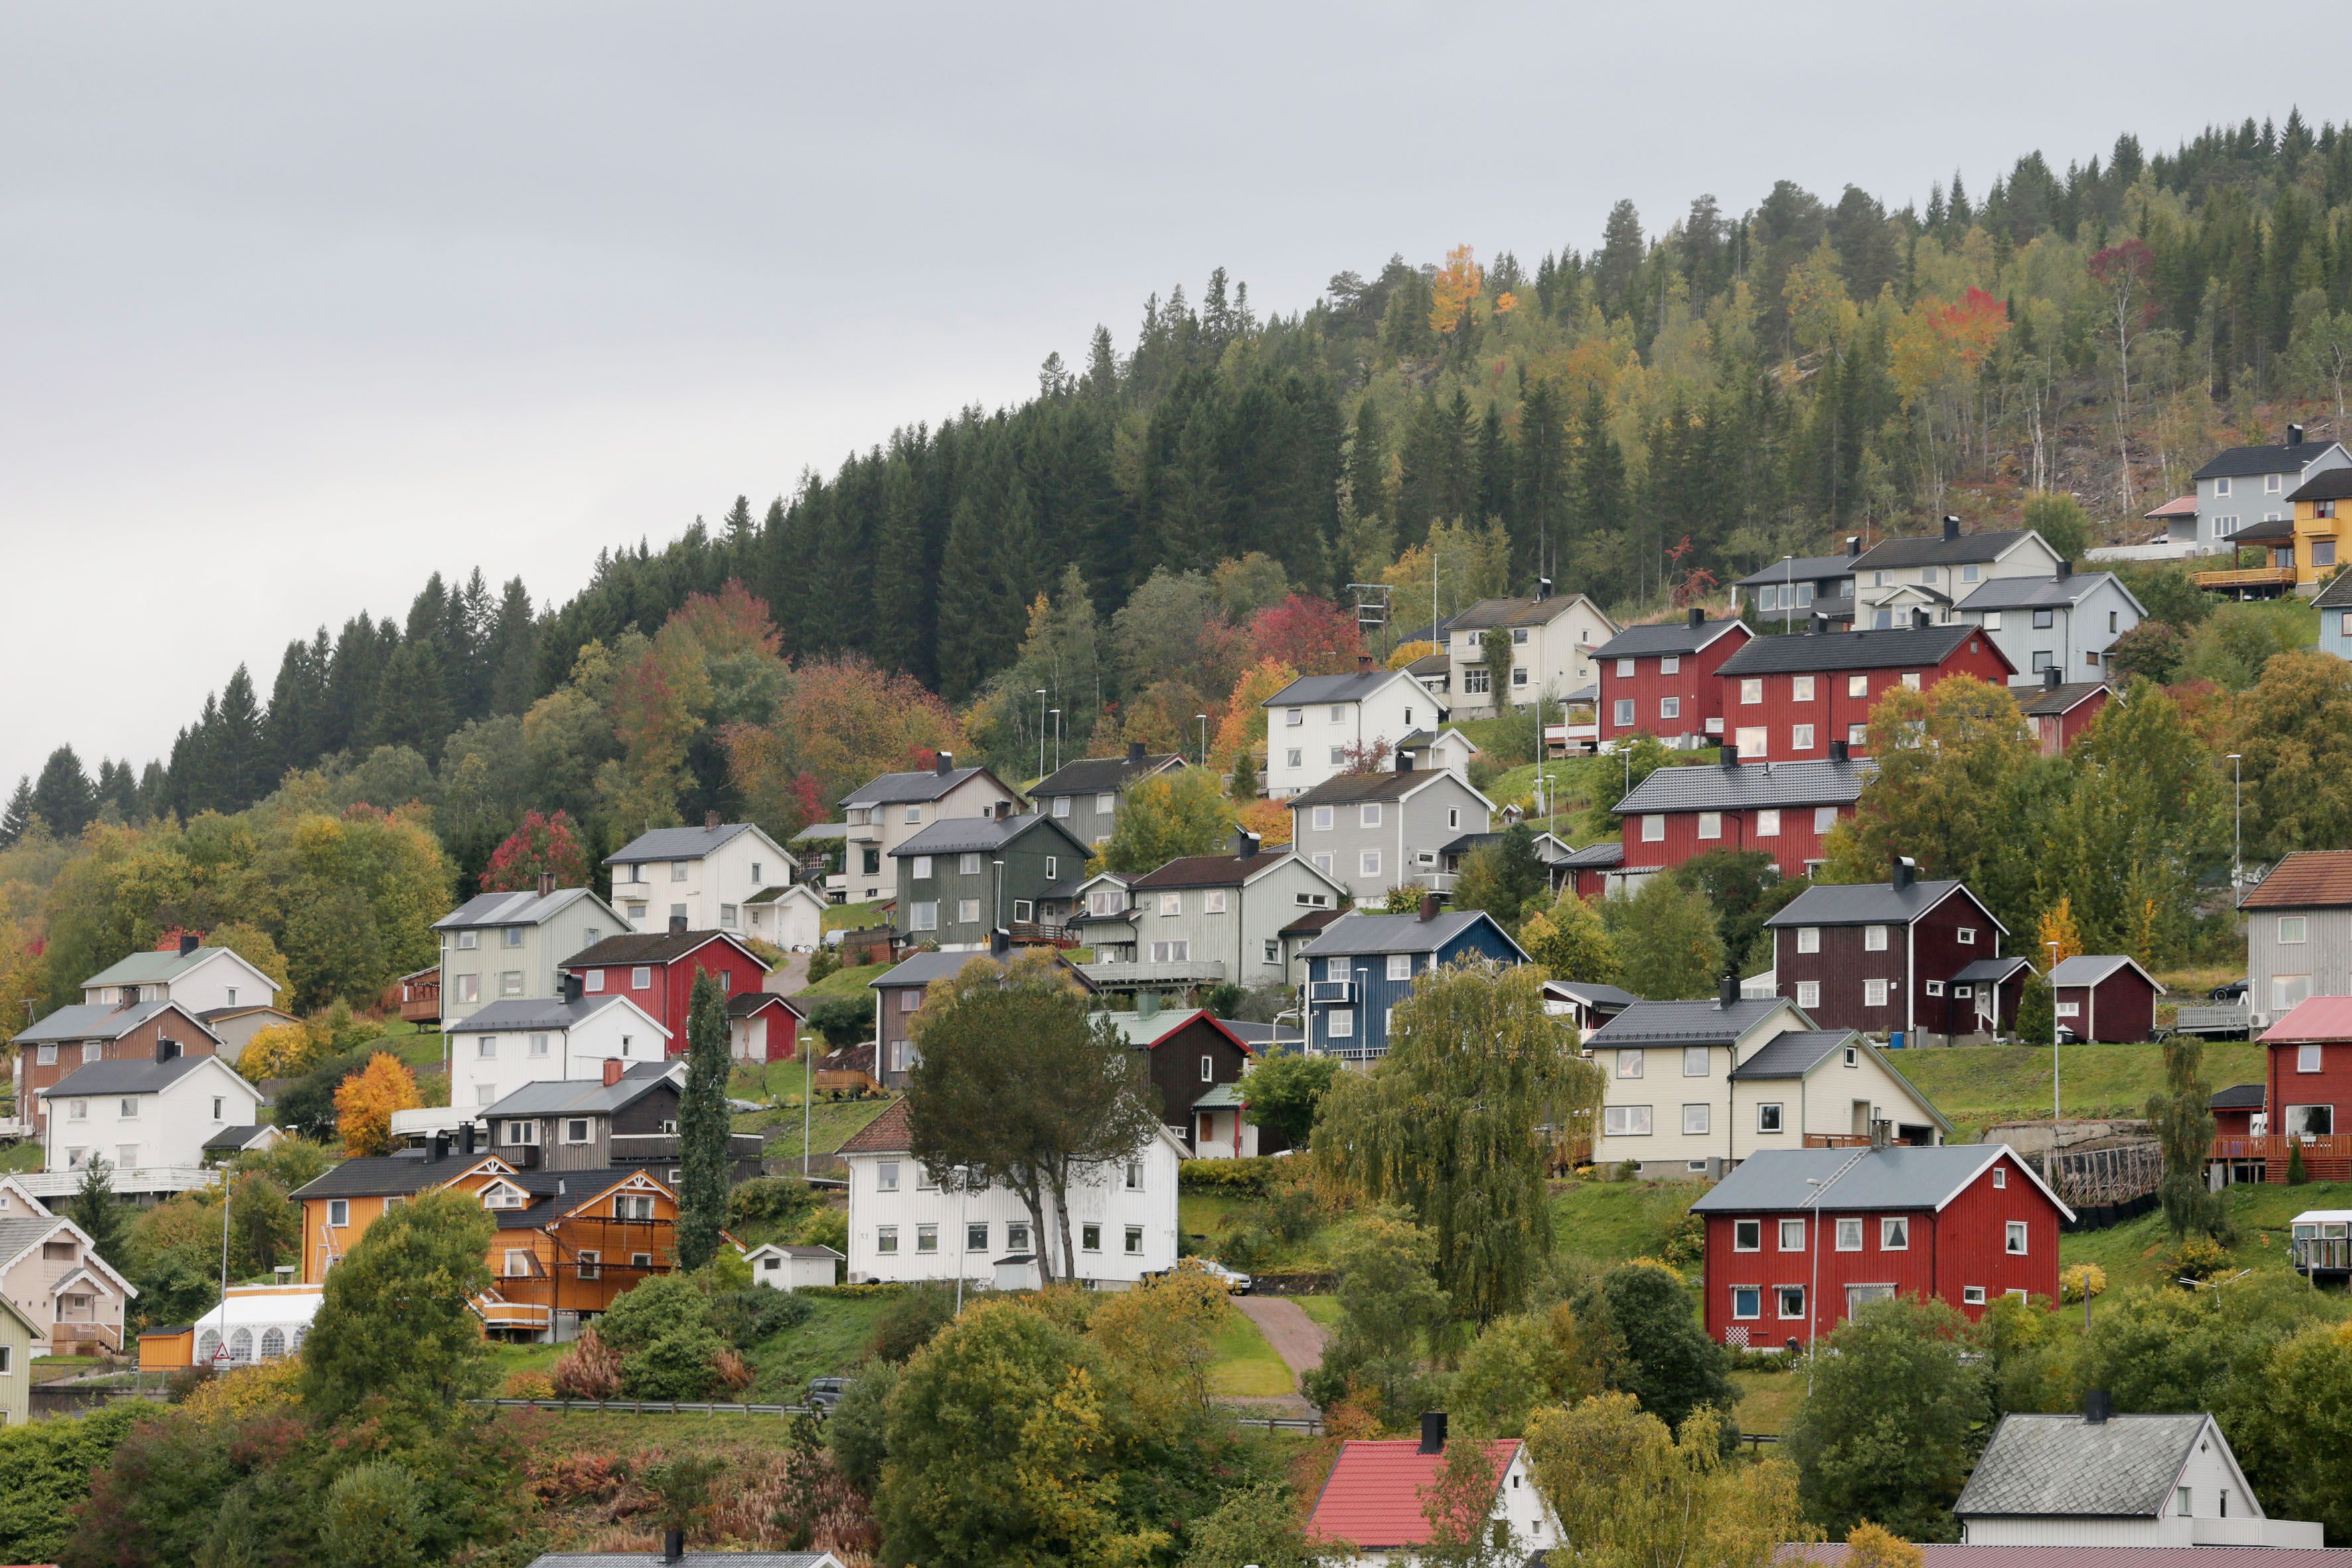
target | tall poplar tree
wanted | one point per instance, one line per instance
(703, 1128)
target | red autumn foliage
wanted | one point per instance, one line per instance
(1313, 637)
(541, 843)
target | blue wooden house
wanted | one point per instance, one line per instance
(1363, 966)
(2335, 604)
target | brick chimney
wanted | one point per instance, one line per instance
(547, 884)
(678, 925)
(189, 942)
(711, 819)
(1727, 992)
(1730, 756)
(1433, 1432)
(1429, 902)
(1134, 752)
(1697, 617)
(1837, 751)
(1363, 664)
(612, 1071)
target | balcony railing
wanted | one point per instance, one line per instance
(2246, 577)
(1170, 972)
(1330, 991)
(2326, 1254)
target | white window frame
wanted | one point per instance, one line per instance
(1849, 1226)
(2016, 1238)
(1769, 1116)
(1809, 995)
(1710, 824)
(1697, 1119)
(1400, 966)
(1768, 822)
(1752, 691)
(1654, 828)
(1625, 1121)
(1800, 689)
(2291, 929)
(1367, 815)
(1873, 939)
(1633, 1061)
(1874, 993)
(1809, 939)
(1747, 1236)
(1789, 1228)
(1894, 1232)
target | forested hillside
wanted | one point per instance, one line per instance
(1640, 421)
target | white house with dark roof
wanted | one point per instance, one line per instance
(149, 1120)
(511, 947)
(85, 1033)
(2103, 1479)
(1691, 1089)
(1380, 830)
(1938, 570)
(1205, 919)
(2064, 622)
(197, 977)
(1552, 642)
(1319, 723)
(783, 1267)
(709, 875)
(499, 1048)
(1085, 796)
(2243, 486)
(893, 807)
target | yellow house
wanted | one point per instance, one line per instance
(2304, 551)
(17, 1333)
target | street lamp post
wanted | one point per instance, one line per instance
(1813, 1290)
(1041, 731)
(1204, 719)
(963, 1233)
(2237, 823)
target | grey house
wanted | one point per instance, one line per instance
(1378, 831)
(499, 947)
(2247, 485)
(1084, 796)
(1798, 587)
(2298, 934)
(1207, 919)
(2066, 623)
(1898, 575)
(627, 1118)
(893, 807)
(964, 877)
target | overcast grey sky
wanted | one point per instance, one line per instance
(300, 303)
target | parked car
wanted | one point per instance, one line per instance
(2235, 991)
(1234, 1281)
(824, 1392)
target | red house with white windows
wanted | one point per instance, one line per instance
(657, 971)
(1797, 1239)
(1787, 698)
(2058, 712)
(1661, 680)
(1904, 955)
(2307, 1093)
(1783, 808)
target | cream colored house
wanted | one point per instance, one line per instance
(892, 808)
(710, 876)
(1552, 639)
(1693, 1088)
(511, 947)
(49, 1272)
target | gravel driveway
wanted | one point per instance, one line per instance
(1296, 1338)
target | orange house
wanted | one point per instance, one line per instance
(568, 1242)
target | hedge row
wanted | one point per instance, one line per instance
(1250, 1177)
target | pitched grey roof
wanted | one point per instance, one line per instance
(1870, 903)
(899, 789)
(2337, 594)
(127, 1077)
(16, 1235)
(1593, 994)
(228, 1141)
(687, 1559)
(964, 835)
(634, 947)
(383, 1175)
(1902, 1176)
(2237, 1097)
(1346, 789)
(1210, 870)
(1803, 569)
(676, 843)
(152, 968)
(2267, 530)
(1357, 934)
(1522, 612)
(1684, 1023)
(1794, 1054)
(2043, 1465)
(2089, 969)
(533, 1013)
(2037, 592)
(922, 968)
(102, 1021)
(1664, 636)
(577, 1097)
(2050, 701)
(2328, 484)
(1935, 549)
(1988, 971)
(1893, 648)
(518, 909)
(1598, 857)
(2239, 461)
(1308, 689)
(1093, 776)
(1749, 785)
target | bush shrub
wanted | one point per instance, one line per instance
(1251, 1178)
(527, 1385)
(590, 1370)
(744, 1318)
(782, 1200)
(2199, 1257)
(2082, 1281)
(907, 1324)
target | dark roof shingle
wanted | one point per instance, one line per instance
(1749, 786)
(2238, 462)
(1684, 1023)
(1935, 549)
(676, 843)
(2061, 1466)
(645, 947)
(1210, 870)
(1893, 648)
(1666, 636)
(136, 1077)
(1869, 903)
(1093, 775)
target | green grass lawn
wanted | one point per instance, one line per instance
(2138, 1252)
(20, 1157)
(1767, 1400)
(1611, 1221)
(1247, 1367)
(50, 1368)
(417, 1048)
(782, 1084)
(1323, 1310)
(1976, 1086)
(510, 1359)
(848, 982)
(829, 1344)
(850, 917)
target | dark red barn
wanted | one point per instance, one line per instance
(1783, 808)
(1661, 680)
(1798, 1238)
(1788, 697)
(2058, 712)
(656, 971)
(2308, 1083)
(2108, 999)
(1881, 957)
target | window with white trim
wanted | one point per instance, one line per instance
(1857, 686)
(1968, 935)
(1748, 1236)
(2015, 1241)
(1710, 824)
(1792, 1236)
(1370, 862)
(1670, 707)
(1768, 1117)
(1630, 1061)
(1849, 1235)
(1767, 823)
(2307, 1058)
(1695, 1061)
(1873, 939)
(2289, 929)
(1626, 1121)
(1369, 815)
(1809, 993)
(1809, 939)
(1212, 902)
(1801, 737)
(1654, 829)
(1972, 1295)
(1400, 966)
(1894, 1233)
(1747, 1301)
(1874, 993)
(1696, 1120)
(1792, 1302)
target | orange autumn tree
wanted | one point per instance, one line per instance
(365, 1100)
(1457, 283)
(1242, 724)
(2057, 924)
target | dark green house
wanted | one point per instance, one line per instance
(961, 878)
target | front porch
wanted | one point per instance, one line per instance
(2327, 1156)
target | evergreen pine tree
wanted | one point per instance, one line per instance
(1244, 787)
(412, 704)
(1494, 498)
(1368, 463)
(513, 651)
(18, 818)
(1102, 365)
(702, 1125)
(62, 796)
(901, 585)
(97, 1210)
(239, 757)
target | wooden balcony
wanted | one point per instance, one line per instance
(2327, 1157)
(2238, 579)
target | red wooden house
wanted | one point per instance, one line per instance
(1592, 868)
(2058, 712)
(2307, 1081)
(1783, 808)
(2234, 1109)
(764, 1026)
(657, 971)
(1661, 680)
(1797, 1239)
(1788, 697)
(2107, 998)
(1887, 957)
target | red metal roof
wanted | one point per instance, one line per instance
(2308, 878)
(1373, 1499)
(1829, 1554)
(2317, 1019)
(2178, 506)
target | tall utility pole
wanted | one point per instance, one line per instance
(1041, 731)
(2237, 824)
(2050, 1161)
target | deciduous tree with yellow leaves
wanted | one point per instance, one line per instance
(365, 1102)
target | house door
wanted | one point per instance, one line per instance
(1856, 1295)
(75, 1309)
(1860, 1127)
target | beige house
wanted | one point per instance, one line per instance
(48, 1274)
(1552, 640)
(708, 875)
(1693, 1088)
(893, 807)
(18, 1334)
(507, 947)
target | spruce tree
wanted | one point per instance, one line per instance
(241, 762)
(411, 702)
(513, 651)
(17, 819)
(62, 796)
(1244, 787)
(702, 1126)
(97, 1211)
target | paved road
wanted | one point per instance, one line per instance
(1296, 1338)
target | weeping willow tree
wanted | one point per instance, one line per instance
(1456, 1122)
